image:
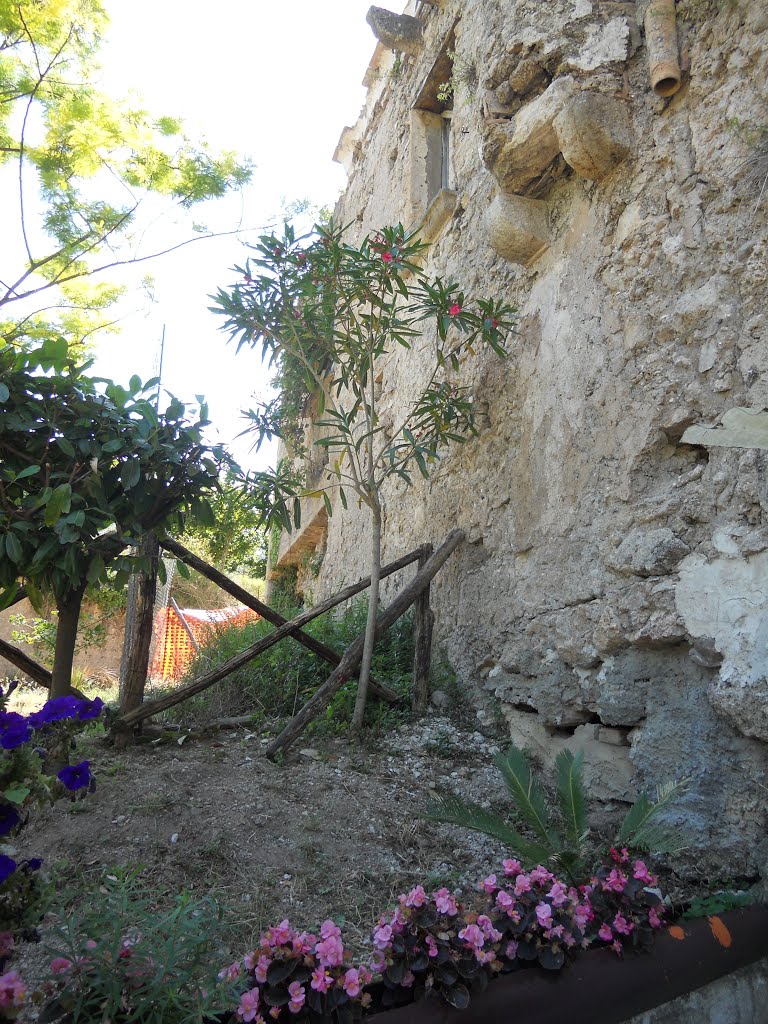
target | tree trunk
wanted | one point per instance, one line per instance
(66, 637)
(370, 625)
(134, 669)
(423, 624)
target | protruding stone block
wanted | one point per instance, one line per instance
(518, 151)
(594, 133)
(518, 228)
(395, 31)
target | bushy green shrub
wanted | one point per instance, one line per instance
(277, 683)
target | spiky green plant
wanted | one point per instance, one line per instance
(559, 833)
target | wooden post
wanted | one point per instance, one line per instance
(186, 625)
(316, 646)
(423, 623)
(319, 701)
(287, 629)
(138, 629)
(36, 672)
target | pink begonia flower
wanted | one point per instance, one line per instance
(298, 995)
(445, 902)
(282, 934)
(472, 936)
(262, 966)
(352, 983)
(582, 915)
(366, 1000)
(416, 897)
(454, 310)
(510, 950)
(378, 962)
(431, 945)
(60, 964)
(321, 980)
(485, 924)
(504, 900)
(484, 957)
(13, 991)
(249, 1005)
(303, 943)
(622, 925)
(653, 918)
(522, 884)
(616, 881)
(408, 979)
(617, 947)
(330, 952)
(605, 932)
(489, 883)
(558, 894)
(274, 1013)
(231, 973)
(249, 960)
(512, 867)
(642, 874)
(382, 936)
(328, 929)
(544, 915)
(540, 875)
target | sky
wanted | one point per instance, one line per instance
(273, 81)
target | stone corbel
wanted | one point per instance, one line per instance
(517, 227)
(399, 32)
(594, 134)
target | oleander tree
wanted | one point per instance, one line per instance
(86, 468)
(327, 312)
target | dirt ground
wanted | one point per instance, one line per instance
(332, 832)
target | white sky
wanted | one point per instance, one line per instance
(276, 81)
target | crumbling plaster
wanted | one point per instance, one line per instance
(596, 602)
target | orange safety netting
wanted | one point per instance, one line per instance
(173, 647)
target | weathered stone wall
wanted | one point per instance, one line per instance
(613, 591)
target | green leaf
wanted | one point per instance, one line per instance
(182, 569)
(13, 547)
(17, 794)
(5, 394)
(96, 569)
(130, 472)
(66, 446)
(572, 794)
(58, 504)
(452, 810)
(28, 471)
(527, 795)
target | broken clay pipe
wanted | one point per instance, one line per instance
(661, 40)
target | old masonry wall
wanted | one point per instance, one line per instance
(612, 594)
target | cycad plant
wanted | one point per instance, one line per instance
(558, 833)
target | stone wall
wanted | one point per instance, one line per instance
(611, 594)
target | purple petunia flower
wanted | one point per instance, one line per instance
(90, 709)
(14, 730)
(76, 776)
(54, 711)
(9, 819)
(33, 864)
(7, 867)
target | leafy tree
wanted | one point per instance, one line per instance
(327, 311)
(83, 165)
(83, 474)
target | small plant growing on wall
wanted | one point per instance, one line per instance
(333, 310)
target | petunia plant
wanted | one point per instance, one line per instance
(329, 312)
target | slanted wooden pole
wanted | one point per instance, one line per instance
(36, 672)
(138, 629)
(186, 626)
(180, 694)
(423, 623)
(244, 597)
(319, 701)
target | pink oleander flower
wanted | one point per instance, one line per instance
(512, 867)
(91, 944)
(653, 917)
(544, 915)
(330, 952)
(642, 874)
(540, 875)
(489, 883)
(13, 991)
(249, 1005)
(352, 983)
(298, 995)
(382, 936)
(504, 900)
(431, 945)
(416, 897)
(387, 257)
(472, 936)
(321, 980)
(522, 884)
(605, 932)
(59, 965)
(616, 881)
(454, 310)
(445, 902)
(558, 894)
(262, 966)
(622, 925)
